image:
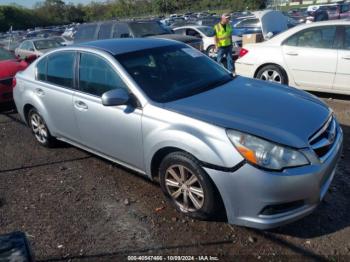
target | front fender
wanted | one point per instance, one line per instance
(206, 142)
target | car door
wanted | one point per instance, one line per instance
(311, 57)
(113, 131)
(342, 77)
(54, 88)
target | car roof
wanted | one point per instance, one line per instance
(126, 45)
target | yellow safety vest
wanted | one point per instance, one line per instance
(224, 37)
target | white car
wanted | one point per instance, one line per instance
(313, 57)
(206, 33)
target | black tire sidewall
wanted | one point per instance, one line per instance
(208, 209)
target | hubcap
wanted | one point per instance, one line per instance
(185, 188)
(272, 76)
(212, 53)
(39, 128)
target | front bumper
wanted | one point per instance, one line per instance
(250, 190)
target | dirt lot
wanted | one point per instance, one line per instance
(75, 206)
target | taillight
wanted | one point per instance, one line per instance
(243, 52)
(14, 82)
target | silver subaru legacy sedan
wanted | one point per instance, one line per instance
(260, 153)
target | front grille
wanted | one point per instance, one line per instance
(322, 141)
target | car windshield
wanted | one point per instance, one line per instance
(208, 31)
(46, 44)
(5, 55)
(140, 29)
(173, 72)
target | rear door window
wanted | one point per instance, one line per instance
(41, 69)
(347, 38)
(321, 37)
(96, 76)
(60, 69)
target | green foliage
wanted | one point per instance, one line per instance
(55, 12)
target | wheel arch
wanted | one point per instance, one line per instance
(163, 152)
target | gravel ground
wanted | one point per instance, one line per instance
(74, 206)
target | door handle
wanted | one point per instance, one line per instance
(346, 57)
(39, 92)
(80, 105)
(292, 53)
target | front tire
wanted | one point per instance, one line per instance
(187, 186)
(211, 52)
(39, 128)
(272, 73)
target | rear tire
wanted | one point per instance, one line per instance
(272, 73)
(39, 128)
(187, 186)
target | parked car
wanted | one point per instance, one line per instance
(207, 35)
(268, 22)
(35, 47)
(328, 12)
(9, 66)
(312, 56)
(265, 153)
(344, 10)
(130, 29)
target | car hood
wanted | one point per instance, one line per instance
(278, 113)
(180, 38)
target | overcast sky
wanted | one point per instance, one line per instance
(30, 3)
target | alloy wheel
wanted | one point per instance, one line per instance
(39, 128)
(272, 76)
(184, 188)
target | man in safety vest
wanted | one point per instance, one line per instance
(223, 41)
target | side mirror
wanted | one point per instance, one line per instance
(31, 49)
(115, 97)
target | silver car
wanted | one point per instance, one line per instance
(263, 153)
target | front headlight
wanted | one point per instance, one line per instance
(264, 153)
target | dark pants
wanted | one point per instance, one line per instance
(226, 51)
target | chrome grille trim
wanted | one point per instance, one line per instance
(323, 140)
(321, 131)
